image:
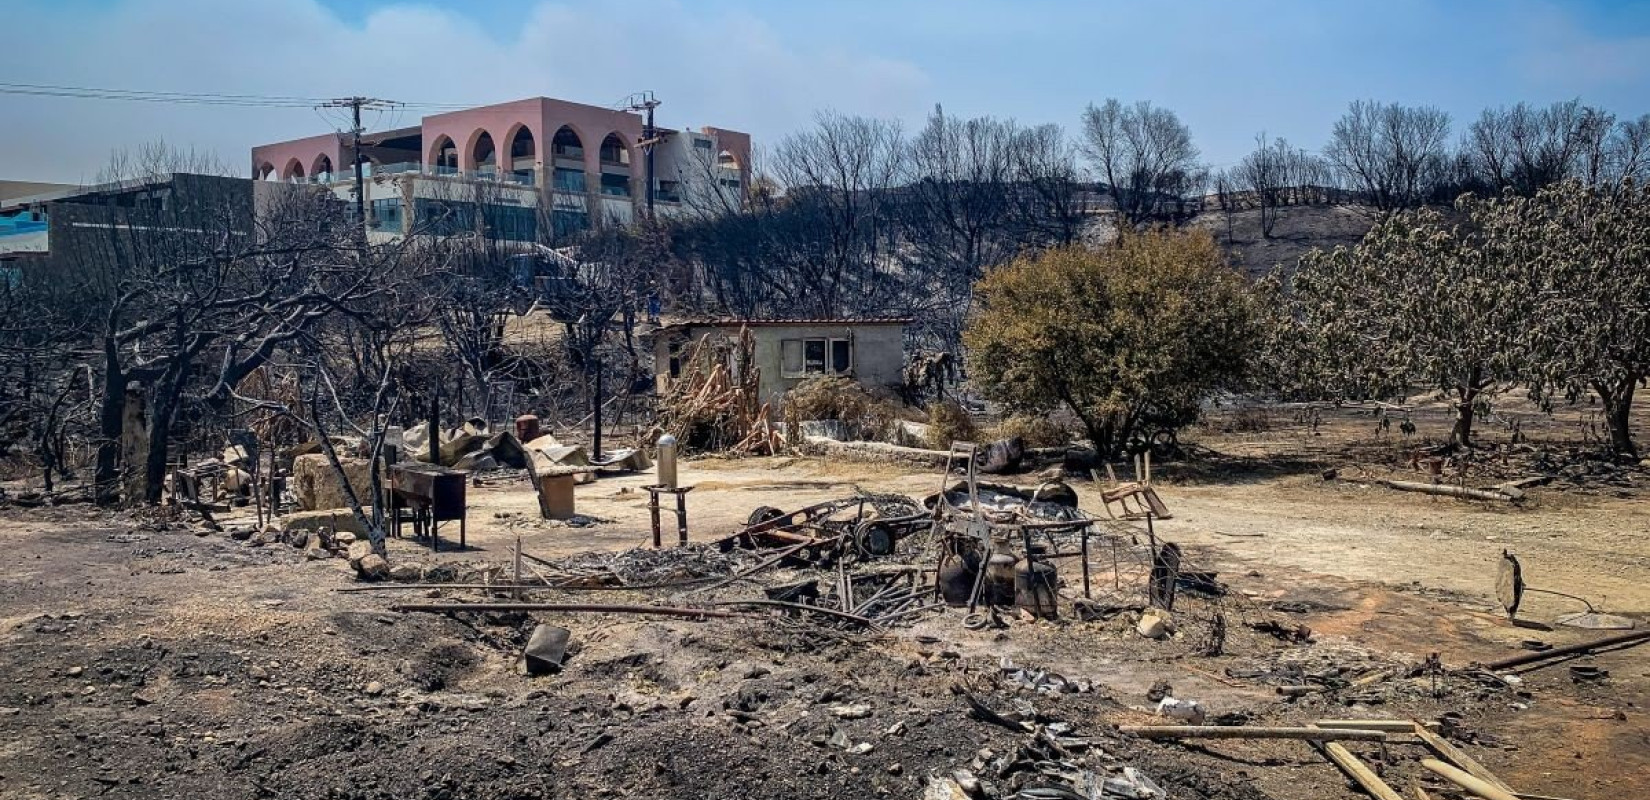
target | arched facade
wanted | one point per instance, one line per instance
(443, 155)
(568, 143)
(548, 143)
(481, 152)
(617, 168)
(582, 161)
(300, 157)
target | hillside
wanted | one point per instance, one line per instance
(1298, 231)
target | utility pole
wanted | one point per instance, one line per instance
(355, 104)
(646, 102)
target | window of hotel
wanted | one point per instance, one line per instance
(511, 223)
(564, 223)
(802, 357)
(615, 184)
(444, 218)
(569, 180)
(388, 215)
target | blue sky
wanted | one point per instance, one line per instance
(1230, 69)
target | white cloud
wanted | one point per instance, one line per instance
(709, 67)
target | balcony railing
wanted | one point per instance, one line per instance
(525, 177)
(396, 168)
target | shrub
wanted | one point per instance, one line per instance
(949, 422)
(1034, 430)
(1116, 334)
(833, 397)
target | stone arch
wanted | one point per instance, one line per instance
(322, 165)
(480, 151)
(615, 150)
(264, 171)
(567, 142)
(294, 170)
(520, 142)
(443, 155)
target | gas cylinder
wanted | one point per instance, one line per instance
(1034, 585)
(999, 578)
(956, 581)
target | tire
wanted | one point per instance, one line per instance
(762, 514)
(876, 540)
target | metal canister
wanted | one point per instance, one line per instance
(1034, 587)
(999, 578)
(667, 461)
(527, 428)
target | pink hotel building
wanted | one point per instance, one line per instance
(517, 163)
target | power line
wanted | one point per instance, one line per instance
(183, 98)
(355, 104)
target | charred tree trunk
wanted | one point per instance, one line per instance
(162, 413)
(134, 440)
(111, 419)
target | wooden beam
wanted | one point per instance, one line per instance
(1476, 786)
(1444, 748)
(1444, 489)
(1388, 725)
(1359, 771)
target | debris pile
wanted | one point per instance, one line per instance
(716, 404)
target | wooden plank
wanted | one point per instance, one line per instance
(1444, 748)
(1388, 725)
(1359, 771)
(1473, 784)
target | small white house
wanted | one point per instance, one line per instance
(789, 351)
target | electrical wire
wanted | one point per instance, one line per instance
(186, 98)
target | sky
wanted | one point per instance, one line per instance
(1231, 70)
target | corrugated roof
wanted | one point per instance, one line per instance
(728, 322)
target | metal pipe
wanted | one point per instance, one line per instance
(663, 611)
(1251, 732)
(1529, 658)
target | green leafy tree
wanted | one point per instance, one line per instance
(1144, 328)
(1590, 246)
(1423, 300)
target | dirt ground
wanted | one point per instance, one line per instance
(144, 659)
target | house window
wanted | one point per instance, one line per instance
(841, 358)
(803, 357)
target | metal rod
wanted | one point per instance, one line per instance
(786, 553)
(1251, 732)
(1086, 593)
(829, 612)
(664, 611)
(1528, 658)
